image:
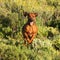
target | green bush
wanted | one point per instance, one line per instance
(39, 50)
(8, 52)
(45, 46)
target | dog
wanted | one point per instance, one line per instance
(30, 29)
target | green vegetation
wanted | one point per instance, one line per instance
(45, 46)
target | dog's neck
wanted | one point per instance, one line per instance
(31, 22)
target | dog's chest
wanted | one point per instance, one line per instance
(31, 29)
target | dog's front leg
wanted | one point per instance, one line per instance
(30, 41)
(27, 38)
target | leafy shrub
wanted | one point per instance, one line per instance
(46, 45)
(56, 42)
(8, 52)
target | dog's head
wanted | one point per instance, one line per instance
(31, 16)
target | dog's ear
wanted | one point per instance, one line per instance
(36, 14)
(25, 14)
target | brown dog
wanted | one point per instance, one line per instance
(29, 30)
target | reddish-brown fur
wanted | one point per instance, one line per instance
(29, 30)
